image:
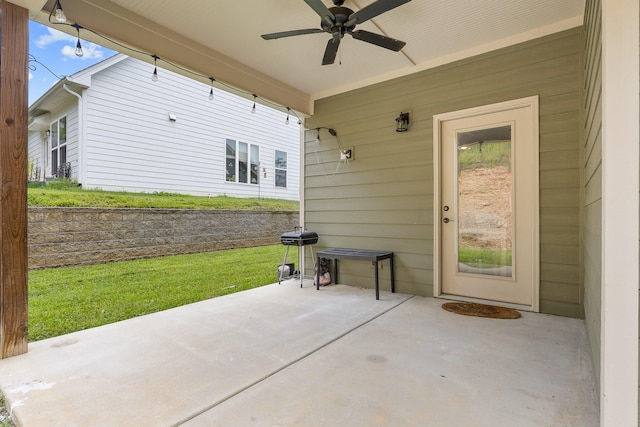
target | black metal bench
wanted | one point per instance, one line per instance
(359, 255)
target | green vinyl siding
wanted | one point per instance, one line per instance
(591, 161)
(383, 199)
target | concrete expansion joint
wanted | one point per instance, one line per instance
(288, 365)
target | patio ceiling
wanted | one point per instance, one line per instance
(222, 38)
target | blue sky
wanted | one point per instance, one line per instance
(56, 50)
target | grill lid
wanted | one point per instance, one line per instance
(299, 238)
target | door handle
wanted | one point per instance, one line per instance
(445, 220)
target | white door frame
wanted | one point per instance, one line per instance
(529, 102)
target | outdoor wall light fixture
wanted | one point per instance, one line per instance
(48, 133)
(402, 122)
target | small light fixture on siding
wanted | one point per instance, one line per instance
(402, 122)
(253, 109)
(288, 112)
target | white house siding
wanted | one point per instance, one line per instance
(40, 150)
(36, 151)
(131, 144)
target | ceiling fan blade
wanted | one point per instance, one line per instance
(331, 51)
(320, 9)
(373, 10)
(273, 36)
(378, 40)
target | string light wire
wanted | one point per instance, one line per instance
(57, 9)
(34, 68)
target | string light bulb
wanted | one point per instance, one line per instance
(211, 91)
(154, 76)
(79, 51)
(59, 13)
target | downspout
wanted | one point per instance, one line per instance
(81, 132)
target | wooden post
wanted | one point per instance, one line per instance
(14, 41)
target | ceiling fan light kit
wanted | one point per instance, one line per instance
(339, 20)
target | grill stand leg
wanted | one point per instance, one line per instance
(284, 261)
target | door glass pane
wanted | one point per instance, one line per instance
(63, 130)
(485, 202)
(54, 136)
(54, 162)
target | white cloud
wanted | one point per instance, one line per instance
(30, 75)
(91, 50)
(53, 36)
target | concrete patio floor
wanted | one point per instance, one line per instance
(281, 355)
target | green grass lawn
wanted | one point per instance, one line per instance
(68, 299)
(489, 155)
(5, 421)
(484, 257)
(67, 193)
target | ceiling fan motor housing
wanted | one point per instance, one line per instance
(342, 15)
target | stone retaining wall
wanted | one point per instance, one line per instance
(74, 236)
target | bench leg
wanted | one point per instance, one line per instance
(393, 276)
(375, 263)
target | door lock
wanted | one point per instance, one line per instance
(446, 208)
(445, 220)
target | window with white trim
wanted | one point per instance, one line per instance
(58, 145)
(242, 162)
(281, 169)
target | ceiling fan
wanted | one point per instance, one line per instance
(339, 20)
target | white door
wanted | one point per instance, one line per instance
(487, 228)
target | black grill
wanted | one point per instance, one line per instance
(299, 238)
